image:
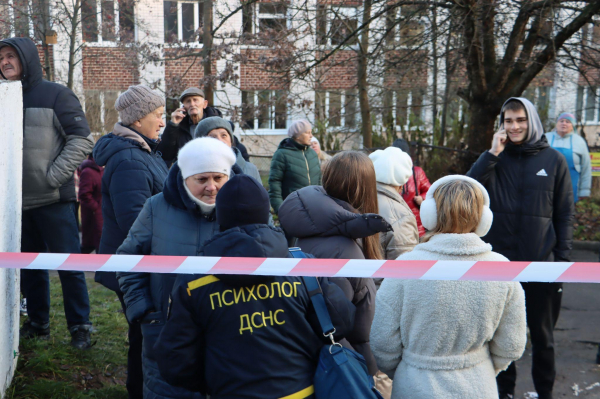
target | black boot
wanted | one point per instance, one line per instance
(32, 329)
(80, 336)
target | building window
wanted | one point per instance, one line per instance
(183, 20)
(335, 24)
(540, 96)
(587, 104)
(406, 26)
(264, 109)
(25, 18)
(408, 107)
(107, 20)
(412, 26)
(338, 108)
(100, 110)
(264, 17)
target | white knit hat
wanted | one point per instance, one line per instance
(392, 166)
(204, 155)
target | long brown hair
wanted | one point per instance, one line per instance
(459, 206)
(350, 176)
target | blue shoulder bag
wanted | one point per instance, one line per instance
(341, 372)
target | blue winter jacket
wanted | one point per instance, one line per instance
(236, 337)
(169, 224)
(133, 172)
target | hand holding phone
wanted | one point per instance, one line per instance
(499, 142)
(178, 115)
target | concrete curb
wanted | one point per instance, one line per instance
(586, 245)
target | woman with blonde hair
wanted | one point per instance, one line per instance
(449, 339)
(339, 220)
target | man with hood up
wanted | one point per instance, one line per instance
(56, 139)
(532, 200)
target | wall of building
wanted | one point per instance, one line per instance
(109, 68)
(11, 161)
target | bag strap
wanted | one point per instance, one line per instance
(416, 185)
(318, 301)
(316, 297)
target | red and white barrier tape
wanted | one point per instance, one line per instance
(568, 272)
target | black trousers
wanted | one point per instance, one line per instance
(135, 374)
(542, 301)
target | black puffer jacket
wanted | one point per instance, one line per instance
(174, 137)
(228, 343)
(532, 200)
(329, 228)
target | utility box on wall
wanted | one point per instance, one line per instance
(11, 176)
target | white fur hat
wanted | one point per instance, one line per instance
(204, 155)
(392, 166)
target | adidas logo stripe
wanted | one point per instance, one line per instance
(542, 173)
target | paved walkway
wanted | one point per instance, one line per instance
(577, 337)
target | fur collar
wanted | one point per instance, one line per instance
(455, 244)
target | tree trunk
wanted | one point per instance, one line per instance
(363, 85)
(448, 83)
(480, 130)
(207, 43)
(434, 56)
(47, 65)
(73, 43)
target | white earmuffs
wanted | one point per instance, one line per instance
(429, 207)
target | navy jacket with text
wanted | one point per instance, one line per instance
(234, 336)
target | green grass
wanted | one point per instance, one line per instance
(53, 369)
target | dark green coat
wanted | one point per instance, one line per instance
(293, 167)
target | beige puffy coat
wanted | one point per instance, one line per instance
(448, 339)
(394, 209)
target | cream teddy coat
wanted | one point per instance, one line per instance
(405, 235)
(448, 339)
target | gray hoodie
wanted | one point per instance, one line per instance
(535, 129)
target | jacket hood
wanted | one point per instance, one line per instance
(30, 60)
(176, 195)
(455, 244)
(112, 143)
(290, 144)
(89, 163)
(535, 129)
(310, 212)
(250, 241)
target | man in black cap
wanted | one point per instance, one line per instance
(180, 129)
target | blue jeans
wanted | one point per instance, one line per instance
(53, 229)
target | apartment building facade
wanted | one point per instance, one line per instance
(258, 99)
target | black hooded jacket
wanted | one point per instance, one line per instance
(531, 197)
(56, 135)
(235, 336)
(329, 228)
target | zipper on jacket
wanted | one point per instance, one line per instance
(307, 169)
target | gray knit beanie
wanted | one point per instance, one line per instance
(137, 102)
(213, 122)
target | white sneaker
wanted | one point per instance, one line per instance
(23, 307)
